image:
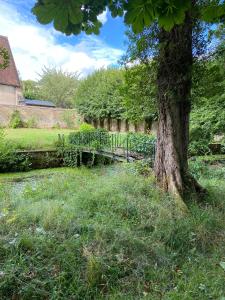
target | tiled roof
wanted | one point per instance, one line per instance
(39, 103)
(9, 76)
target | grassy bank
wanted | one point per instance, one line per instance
(29, 138)
(108, 234)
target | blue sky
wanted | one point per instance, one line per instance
(35, 46)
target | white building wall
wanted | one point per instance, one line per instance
(10, 95)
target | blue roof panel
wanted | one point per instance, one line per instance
(39, 103)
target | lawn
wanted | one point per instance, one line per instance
(108, 233)
(29, 138)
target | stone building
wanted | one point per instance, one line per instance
(10, 86)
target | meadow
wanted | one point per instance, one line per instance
(109, 233)
(32, 138)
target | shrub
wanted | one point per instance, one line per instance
(199, 141)
(198, 148)
(142, 143)
(9, 159)
(85, 127)
(94, 138)
(15, 120)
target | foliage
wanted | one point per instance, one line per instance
(31, 90)
(98, 95)
(142, 47)
(209, 167)
(4, 58)
(70, 155)
(142, 167)
(16, 120)
(200, 147)
(58, 86)
(209, 96)
(89, 137)
(199, 141)
(107, 233)
(85, 127)
(9, 159)
(139, 93)
(73, 17)
(142, 143)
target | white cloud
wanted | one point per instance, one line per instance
(103, 17)
(36, 46)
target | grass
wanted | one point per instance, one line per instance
(107, 234)
(29, 138)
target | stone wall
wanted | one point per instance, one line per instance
(43, 117)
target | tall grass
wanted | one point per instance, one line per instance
(108, 234)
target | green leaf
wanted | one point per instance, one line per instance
(75, 13)
(61, 19)
(166, 22)
(45, 13)
(213, 13)
(139, 14)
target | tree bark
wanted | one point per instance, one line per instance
(174, 99)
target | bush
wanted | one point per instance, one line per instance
(9, 159)
(85, 127)
(142, 143)
(199, 141)
(94, 138)
(15, 120)
(197, 148)
(201, 167)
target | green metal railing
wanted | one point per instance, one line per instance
(131, 145)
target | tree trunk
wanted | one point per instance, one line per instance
(174, 90)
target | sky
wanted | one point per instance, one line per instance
(35, 46)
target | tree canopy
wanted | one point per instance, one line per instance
(31, 90)
(72, 16)
(139, 93)
(98, 96)
(54, 85)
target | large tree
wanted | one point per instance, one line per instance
(175, 19)
(58, 86)
(98, 95)
(31, 90)
(139, 93)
